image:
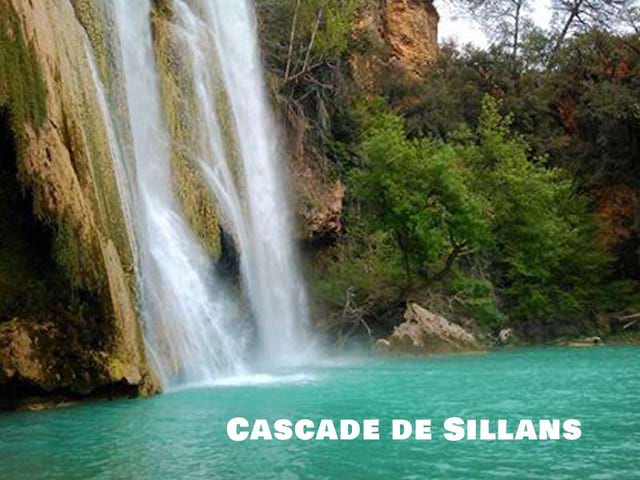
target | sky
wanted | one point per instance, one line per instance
(467, 30)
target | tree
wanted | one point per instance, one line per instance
(416, 190)
(544, 263)
(505, 20)
(304, 34)
(597, 80)
(632, 18)
(582, 15)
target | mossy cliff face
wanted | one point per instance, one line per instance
(90, 337)
(179, 104)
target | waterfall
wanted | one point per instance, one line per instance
(189, 315)
(220, 39)
(194, 323)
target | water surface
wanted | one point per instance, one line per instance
(182, 434)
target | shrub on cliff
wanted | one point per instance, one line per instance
(303, 34)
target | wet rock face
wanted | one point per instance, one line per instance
(424, 332)
(323, 219)
(180, 101)
(64, 161)
(21, 358)
(40, 358)
(318, 200)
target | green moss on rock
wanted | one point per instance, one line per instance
(80, 319)
(179, 103)
(22, 88)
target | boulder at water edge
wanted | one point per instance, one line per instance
(424, 332)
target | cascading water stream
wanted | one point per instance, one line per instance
(190, 319)
(194, 329)
(220, 38)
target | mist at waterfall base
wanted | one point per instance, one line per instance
(197, 328)
(183, 434)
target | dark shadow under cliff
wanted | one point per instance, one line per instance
(29, 281)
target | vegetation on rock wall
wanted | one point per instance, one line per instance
(179, 102)
(304, 34)
(94, 17)
(489, 187)
(22, 89)
(24, 270)
(66, 285)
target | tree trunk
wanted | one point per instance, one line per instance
(292, 38)
(516, 32)
(575, 10)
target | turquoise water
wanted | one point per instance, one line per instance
(183, 434)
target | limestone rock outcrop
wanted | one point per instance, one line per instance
(321, 213)
(411, 28)
(424, 332)
(505, 336)
(397, 37)
(41, 357)
(585, 342)
(318, 198)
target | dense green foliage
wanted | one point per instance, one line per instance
(544, 260)
(480, 217)
(502, 185)
(416, 191)
(580, 112)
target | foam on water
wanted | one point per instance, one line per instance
(253, 380)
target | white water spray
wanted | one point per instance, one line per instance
(189, 315)
(220, 39)
(193, 323)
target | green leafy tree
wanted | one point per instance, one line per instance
(416, 191)
(544, 259)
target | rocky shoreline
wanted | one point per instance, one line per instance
(426, 333)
